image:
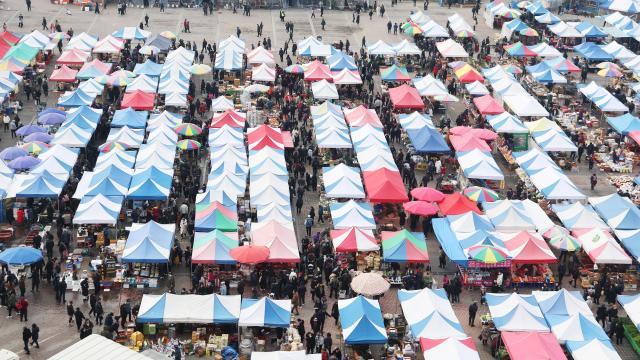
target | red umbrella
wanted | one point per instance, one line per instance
(421, 208)
(427, 194)
(250, 254)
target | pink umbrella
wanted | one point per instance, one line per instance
(427, 194)
(421, 208)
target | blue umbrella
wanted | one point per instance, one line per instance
(39, 136)
(11, 153)
(29, 129)
(23, 163)
(51, 118)
(22, 255)
(52, 111)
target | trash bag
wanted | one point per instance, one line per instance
(229, 353)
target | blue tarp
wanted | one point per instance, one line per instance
(592, 52)
(428, 140)
(148, 68)
(150, 184)
(149, 243)
(448, 241)
(361, 321)
(130, 117)
(75, 98)
(624, 124)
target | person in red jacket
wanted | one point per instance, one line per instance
(23, 307)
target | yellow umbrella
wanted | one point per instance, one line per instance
(168, 34)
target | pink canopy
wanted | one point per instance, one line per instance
(279, 238)
(63, 74)
(317, 71)
(488, 105)
(468, 142)
(385, 186)
(353, 239)
(532, 346)
(525, 248)
(361, 116)
(73, 57)
(264, 136)
(406, 97)
(138, 100)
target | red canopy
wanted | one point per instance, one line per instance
(9, 38)
(532, 346)
(250, 254)
(316, 71)
(229, 117)
(528, 249)
(488, 105)
(264, 136)
(405, 97)
(468, 142)
(353, 239)
(63, 74)
(385, 186)
(73, 57)
(456, 204)
(361, 116)
(635, 135)
(4, 47)
(138, 100)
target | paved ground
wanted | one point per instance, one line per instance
(55, 335)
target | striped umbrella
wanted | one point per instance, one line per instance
(188, 129)
(512, 69)
(410, 28)
(57, 36)
(561, 239)
(112, 145)
(486, 254)
(200, 69)
(168, 34)
(35, 147)
(464, 34)
(610, 72)
(528, 32)
(480, 194)
(295, 69)
(188, 144)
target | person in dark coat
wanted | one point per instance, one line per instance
(619, 333)
(78, 316)
(473, 309)
(35, 334)
(26, 336)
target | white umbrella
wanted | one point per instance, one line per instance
(369, 284)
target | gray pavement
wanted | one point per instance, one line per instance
(55, 334)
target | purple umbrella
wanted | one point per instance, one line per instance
(51, 119)
(11, 153)
(52, 111)
(23, 163)
(39, 136)
(29, 129)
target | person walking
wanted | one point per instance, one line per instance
(323, 23)
(308, 223)
(28, 5)
(473, 309)
(78, 316)
(594, 181)
(26, 336)
(619, 331)
(35, 334)
(23, 307)
(11, 302)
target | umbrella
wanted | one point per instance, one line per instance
(464, 34)
(560, 238)
(200, 69)
(295, 69)
(512, 69)
(369, 284)
(427, 194)
(446, 98)
(35, 147)
(22, 255)
(51, 118)
(607, 65)
(112, 145)
(168, 34)
(23, 163)
(528, 32)
(410, 28)
(57, 36)
(188, 129)
(486, 254)
(29, 129)
(523, 4)
(422, 208)
(39, 136)
(610, 72)
(11, 153)
(149, 50)
(480, 194)
(250, 254)
(188, 145)
(256, 88)
(52, 110)
(509, 13)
